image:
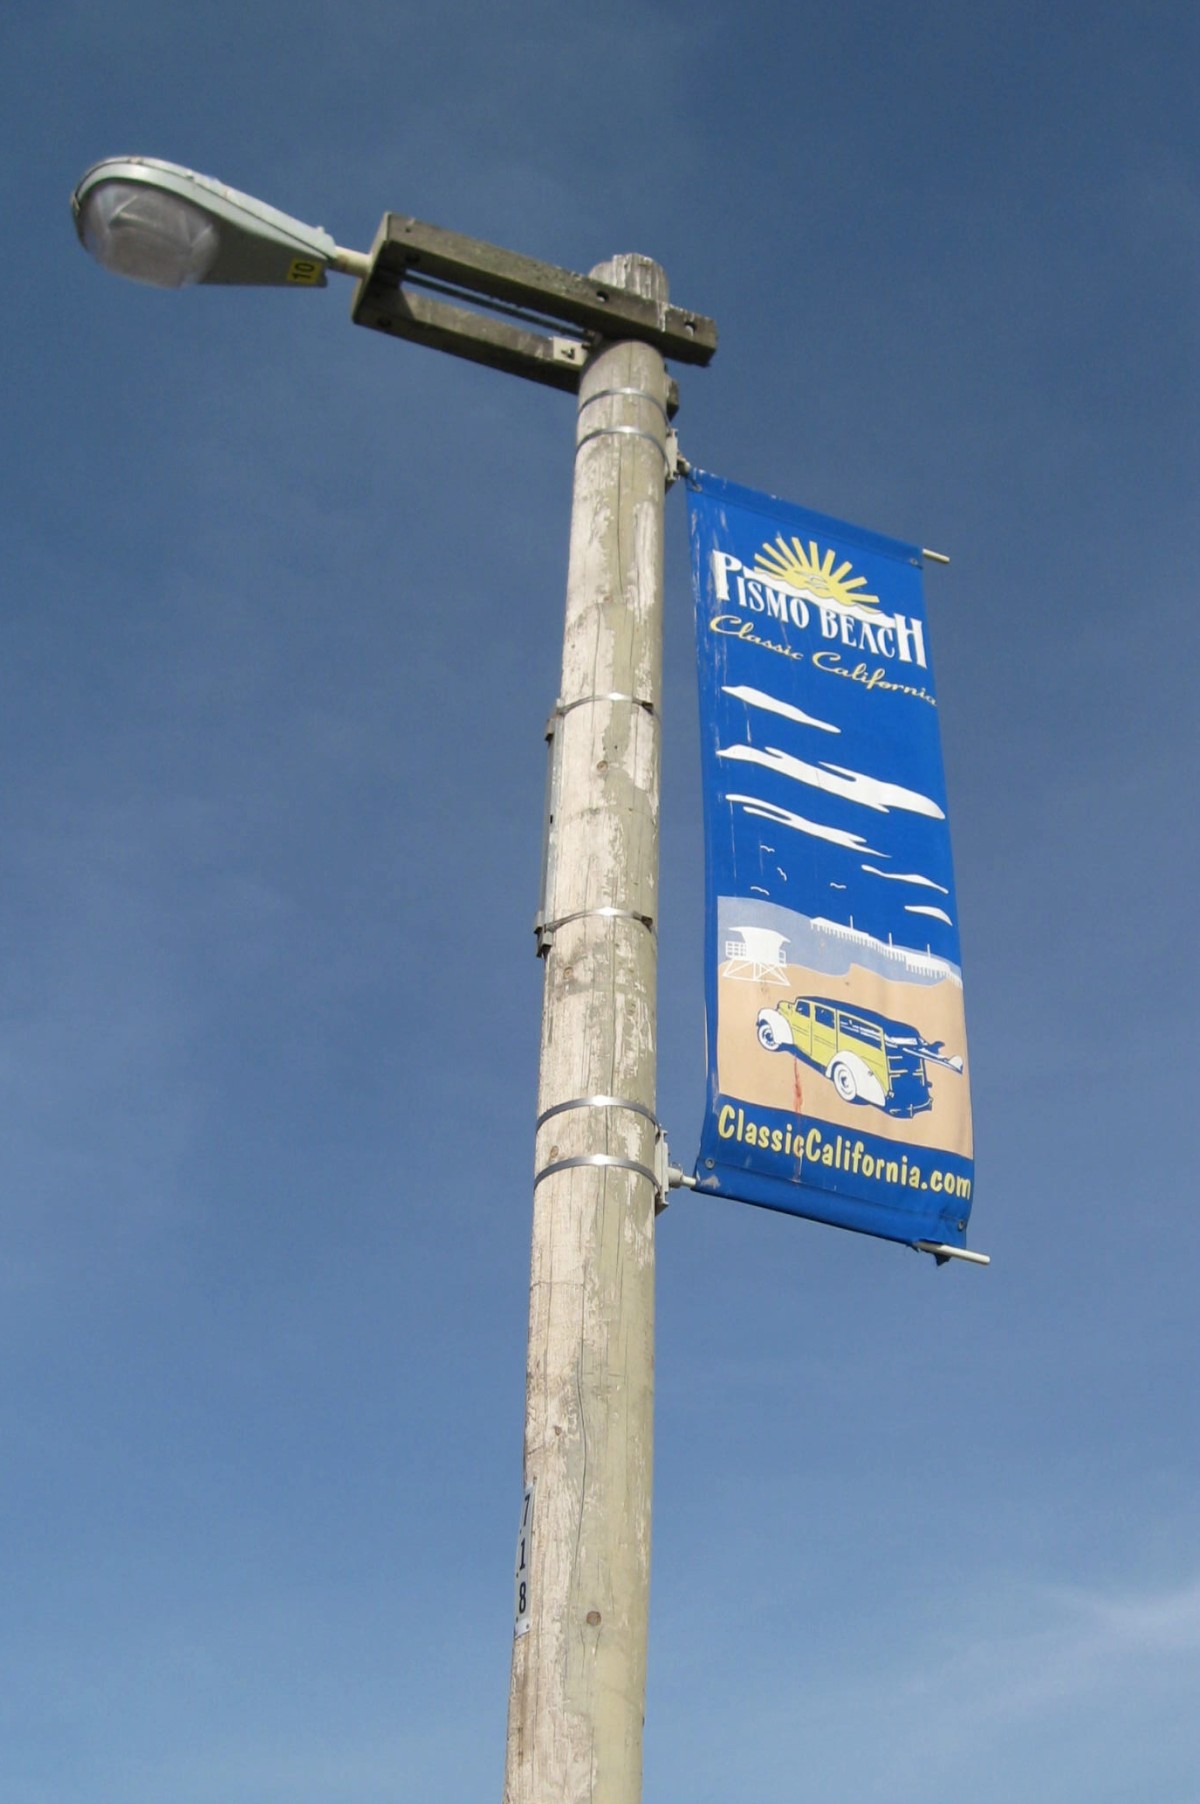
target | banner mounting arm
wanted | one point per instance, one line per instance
(941, 1252)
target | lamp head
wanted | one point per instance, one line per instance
(168, 226)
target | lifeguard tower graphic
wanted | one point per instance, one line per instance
(756, 954)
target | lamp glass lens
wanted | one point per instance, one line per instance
(148, 235)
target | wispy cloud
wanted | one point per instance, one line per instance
(1073, 1644)
(998, 1692)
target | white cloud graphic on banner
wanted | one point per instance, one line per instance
(758, 698)
(783, 817)
(836, 780)
(906, 877)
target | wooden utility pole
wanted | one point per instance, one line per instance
(578, 1687)
(577, 1694)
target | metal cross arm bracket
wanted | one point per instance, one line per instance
(420, 274)
(428, 320)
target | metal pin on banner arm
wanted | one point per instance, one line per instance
(941, 1253)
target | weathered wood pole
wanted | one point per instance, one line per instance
(577, 1695)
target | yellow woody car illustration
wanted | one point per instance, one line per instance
(867, 1057)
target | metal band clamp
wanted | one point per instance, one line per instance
(628, 432)
(600, 1159)
(609, 914)
(601, 695)
(642, 394)
(596, 1102)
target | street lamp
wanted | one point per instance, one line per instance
(577, 1690)
(158, 223)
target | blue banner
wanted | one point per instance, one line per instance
(837, 1058)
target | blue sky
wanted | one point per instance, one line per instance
(280, 629)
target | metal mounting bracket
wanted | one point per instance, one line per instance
(420, 274)
(664, 1176)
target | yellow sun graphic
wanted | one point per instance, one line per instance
(809, 570)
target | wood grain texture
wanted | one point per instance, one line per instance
(577, 1695)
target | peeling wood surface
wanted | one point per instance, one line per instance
(577, 1695)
